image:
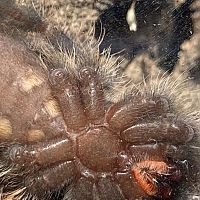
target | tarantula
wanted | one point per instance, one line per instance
(60, 136)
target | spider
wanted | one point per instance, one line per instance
(64, 133)
(61, 138)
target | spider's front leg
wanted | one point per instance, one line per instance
(142, 121)
(43, 154)
(133, 109)
(171, 131)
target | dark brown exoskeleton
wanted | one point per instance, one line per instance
(61, 137)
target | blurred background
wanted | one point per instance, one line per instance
(166, 36)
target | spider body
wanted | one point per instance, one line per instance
(61, 138)
(69, 134)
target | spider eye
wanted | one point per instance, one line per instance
(156, 177)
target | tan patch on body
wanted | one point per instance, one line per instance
(30, 81)
(35, 135)
(52, 108)
(5, 128)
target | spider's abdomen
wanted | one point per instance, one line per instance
(24, 87)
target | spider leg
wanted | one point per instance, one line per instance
(165, 131)
(107, 189)
(138, 153)
(93, 96)
(129, 186)
(83, 189)
(154, 151)
(128, 112)
(43, 154)
(66, 90)
(64, 173)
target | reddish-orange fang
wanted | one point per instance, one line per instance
(154, 177)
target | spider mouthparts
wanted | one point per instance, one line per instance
(156, 177)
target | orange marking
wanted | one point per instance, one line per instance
(149, 175)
